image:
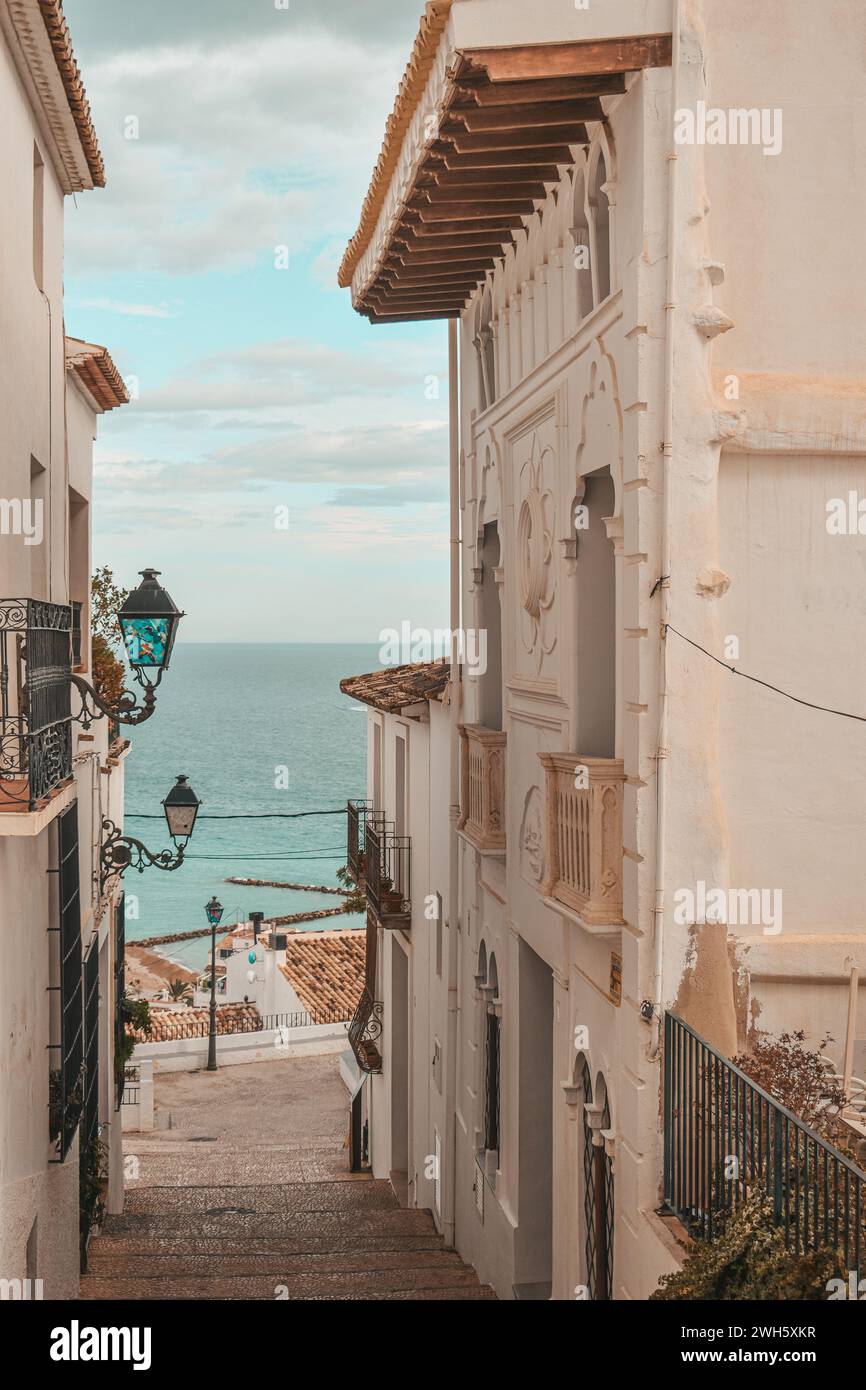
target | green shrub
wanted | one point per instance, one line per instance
(748, 1260)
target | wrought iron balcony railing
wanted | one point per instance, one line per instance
(356, 817)
(386, 868)
(584, 835)
(35, 704)
(365, 1030)
(725, 1137)
(482, 787)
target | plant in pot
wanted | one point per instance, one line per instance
(391, 898)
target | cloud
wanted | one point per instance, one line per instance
(117, 306)
(100, 26)
(242, 141)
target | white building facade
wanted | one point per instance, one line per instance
(658, 471)
(62, 929)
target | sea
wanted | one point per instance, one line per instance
(257, 728)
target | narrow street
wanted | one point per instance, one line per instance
(220, 1210)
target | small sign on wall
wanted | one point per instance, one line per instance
(615, 987)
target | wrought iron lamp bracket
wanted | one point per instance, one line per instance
(120, 852)
(125, 710)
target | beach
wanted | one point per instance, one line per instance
(147, 972)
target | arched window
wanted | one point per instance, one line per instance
(481, 972)
(600, 208)
(479, 358)
(598, 1196)
(581, 248)
(492, 1039)
(487, 350)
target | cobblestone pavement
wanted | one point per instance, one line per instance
(244, 1192)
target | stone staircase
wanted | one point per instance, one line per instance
(216, 1220)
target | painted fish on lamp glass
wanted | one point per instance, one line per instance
(146, 640)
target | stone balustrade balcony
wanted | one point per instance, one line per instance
(584, 836)
(482, 788)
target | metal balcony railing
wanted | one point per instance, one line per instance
(482, 786)
(35, 704)
(725, 1137)
(356, 816)
(386, 867)
(365, 1029)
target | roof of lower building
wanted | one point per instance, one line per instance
(97, 373)
(395, 687)
(167, 1025)
(326, 969)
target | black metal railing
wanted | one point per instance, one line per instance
(386, 867)
(119, 991)
(35, 703)
(66, 1089)
(365, 1030)
(356, 816)
(725, 1137)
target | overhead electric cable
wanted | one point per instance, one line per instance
(825, 709)
(240, 815)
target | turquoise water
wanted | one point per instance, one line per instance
(240, 720)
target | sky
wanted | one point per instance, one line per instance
(284, 463)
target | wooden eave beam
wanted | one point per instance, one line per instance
(497, 226)
(470, 142)
(470, 243)
(491, 178)
(540, 156)
(551, 89)
(583, 59)
(429, 282)
(467, 212)
(516, 116)
(375, 317)
(481, 193)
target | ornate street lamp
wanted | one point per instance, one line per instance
(213, 912)
(119, 851)
(148, 620)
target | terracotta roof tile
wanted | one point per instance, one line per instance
(397, 686)
(61, 44)
(96, 371)
(421, 60)
(326, 969)
(168, 1025)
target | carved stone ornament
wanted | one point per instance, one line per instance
(535, 532)
(532, 837)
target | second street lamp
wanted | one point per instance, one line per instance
(119, 851)
(213, 912)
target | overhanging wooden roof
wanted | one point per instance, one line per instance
(94, 368)
(510, 121)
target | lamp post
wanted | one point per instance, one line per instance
(214, 912)
(148, 620)
(119, 851)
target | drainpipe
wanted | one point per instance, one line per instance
(448, 1189)
(667, 456)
